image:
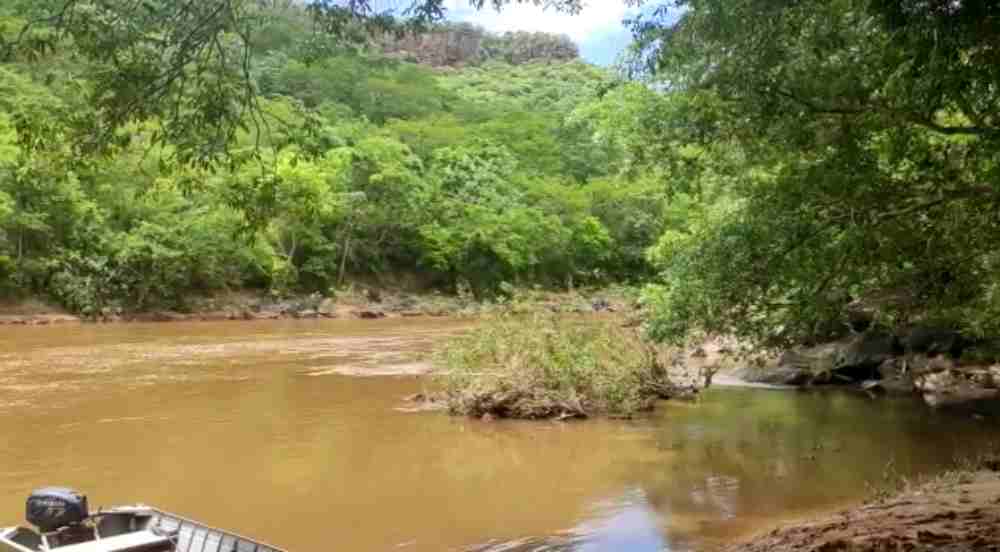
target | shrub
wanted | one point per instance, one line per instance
(550, 366)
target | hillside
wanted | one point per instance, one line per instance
(362, 167)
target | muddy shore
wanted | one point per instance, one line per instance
(958, 511)
(364, 305)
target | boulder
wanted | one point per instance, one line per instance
(898, 385)
(781, 375)
(854, 359)
(816, 359)
(870, 349)
(958, 387)
(918, 365)
(327, 308)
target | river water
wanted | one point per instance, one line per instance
(292, 432)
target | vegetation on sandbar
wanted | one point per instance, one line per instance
(550, 366)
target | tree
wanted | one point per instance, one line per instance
(186, 63)
(861, 169)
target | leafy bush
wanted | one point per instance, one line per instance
(547, 366)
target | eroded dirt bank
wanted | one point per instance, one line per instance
(956, 512)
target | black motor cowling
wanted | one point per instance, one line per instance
(55, 507)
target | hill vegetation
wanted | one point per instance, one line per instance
(354, 165)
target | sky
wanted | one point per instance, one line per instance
(598, 30)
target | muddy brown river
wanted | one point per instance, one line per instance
(291, 432)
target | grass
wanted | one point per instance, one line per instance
(541, 366)
(961, 471)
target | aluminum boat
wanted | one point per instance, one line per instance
(63, 523)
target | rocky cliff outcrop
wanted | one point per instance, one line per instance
(458, 45)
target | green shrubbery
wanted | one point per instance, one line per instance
(551, 366)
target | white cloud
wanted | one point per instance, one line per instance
(598, 16)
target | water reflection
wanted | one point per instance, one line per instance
(741, 461)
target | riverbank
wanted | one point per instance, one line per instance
(943, 367)
(355, 303)
(958, 511)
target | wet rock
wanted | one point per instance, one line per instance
(918, 365)
(784, 374)
(368, 314)
(159, 316)
(800, 366)
(851, 360)
(266, 315)
(898, 386)
(216, 316)
(866, 352)
(307, 314)
(957, 388)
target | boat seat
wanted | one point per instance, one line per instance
(139, 541)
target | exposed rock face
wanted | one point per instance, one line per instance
(848, 360)
(458, 45)
(922, 361)
(446, 48)
(785, 374)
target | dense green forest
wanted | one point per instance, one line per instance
(357, 165)
(777, 171)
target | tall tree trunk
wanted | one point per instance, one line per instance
(343, 258)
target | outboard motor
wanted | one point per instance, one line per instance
(52, 508)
